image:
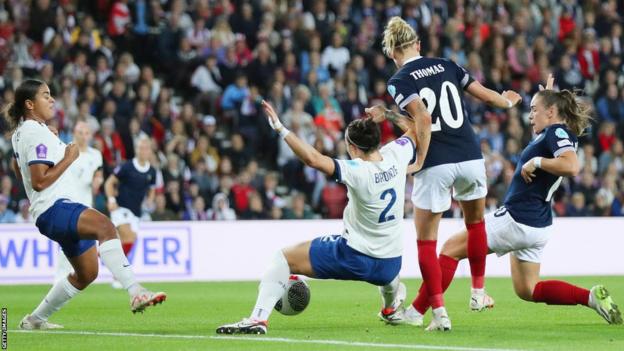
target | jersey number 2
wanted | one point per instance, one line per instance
(430, 97)
(382, 216)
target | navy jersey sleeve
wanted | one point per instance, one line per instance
(559, 140)
(402, 90)
(463, 77)
(121, 171)
(153, 177)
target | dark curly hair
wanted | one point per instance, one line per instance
(363, 134)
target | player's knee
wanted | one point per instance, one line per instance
(86, 276)
(454, 248)
(524, 291)
(106, 230)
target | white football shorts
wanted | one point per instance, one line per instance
(505, 235)
(122, 216)
(464, 180)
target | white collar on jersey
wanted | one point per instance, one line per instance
(140, 168)
(413, 58)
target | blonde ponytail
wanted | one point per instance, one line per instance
(397, 35)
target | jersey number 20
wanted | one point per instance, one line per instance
(430, 97)
(382, 216)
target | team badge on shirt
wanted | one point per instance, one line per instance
(561, 133)
(401, 141)
(42, 151)
(391, 90)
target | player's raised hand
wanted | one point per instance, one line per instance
(272, 117)
(512, 96)
(550, 83)
(377, 113)
(72, 152)
(528, 171)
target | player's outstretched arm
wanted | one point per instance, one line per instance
(42, 175)
(306, 153)
(379, 113)
(507, 99)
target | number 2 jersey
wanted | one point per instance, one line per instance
(373, 217)
(529, 203)
(440, 84)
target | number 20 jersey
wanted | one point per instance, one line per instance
(440, 84)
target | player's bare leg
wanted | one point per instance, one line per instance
(94, 225)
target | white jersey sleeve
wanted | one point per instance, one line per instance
(403, 149)
(350, 172)
(33, 143)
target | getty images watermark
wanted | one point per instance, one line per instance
(4, 328)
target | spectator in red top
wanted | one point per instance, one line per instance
(606, 135)
(566, 23)
(241, 192)
(113, 150)
(119, 18)
(118, 23)
(589, 56)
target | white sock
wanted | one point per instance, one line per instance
(114, 259)
(474, 291)
(389, 292)
(439, 312)
(591, 302)
(61, 292)
(272, 286)
(63, 267)
(411, 312)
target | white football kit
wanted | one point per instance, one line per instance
(373, 217)
(83, 170)
(34, 143)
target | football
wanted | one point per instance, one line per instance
(296, 297)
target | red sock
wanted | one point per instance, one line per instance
(557, 292)
(430, 269)
(448, 266)
(127, 247)
(477, 250)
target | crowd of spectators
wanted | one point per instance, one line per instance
(190, 74)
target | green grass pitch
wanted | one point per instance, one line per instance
(341, 316)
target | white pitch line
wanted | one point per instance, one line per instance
(269, 339)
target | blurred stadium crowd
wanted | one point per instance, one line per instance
(190, 74)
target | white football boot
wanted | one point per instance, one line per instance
(440, 321)
(601, 301)
(394, 315)
(146, 298)
(30, 322)
(480, 300)
(245, 326)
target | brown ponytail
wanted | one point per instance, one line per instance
(364, 134)
(15, 111)
(572, 110)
